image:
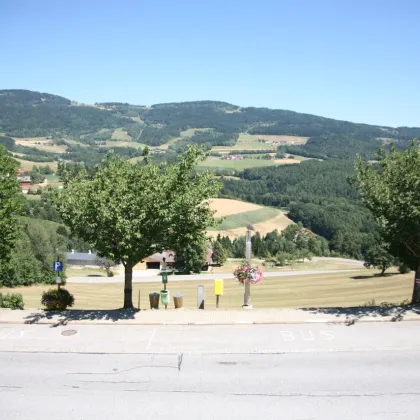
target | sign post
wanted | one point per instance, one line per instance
(58, 268)
(164, 278)
(218, 290)
(200, 297)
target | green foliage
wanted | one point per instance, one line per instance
(403, 268)
(391, 191)
(32, 114)
(128, 212)
(11, 301)
(378, 256)
(337, 146)
(57, 299)
(10, 205)
(219, 254)
(191, 257)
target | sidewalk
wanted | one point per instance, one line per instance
(347, 316)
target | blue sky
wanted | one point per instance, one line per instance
(356, 60)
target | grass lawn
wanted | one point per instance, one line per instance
(339, 289)
(84, 272)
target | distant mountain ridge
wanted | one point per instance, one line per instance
(26, 113)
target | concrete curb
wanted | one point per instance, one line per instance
(209, 323)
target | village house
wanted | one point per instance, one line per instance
(167, 258)
(234, 157)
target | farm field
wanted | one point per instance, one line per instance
(317, 290)
(277, 138)
(121, 135)
(76, 143)
(28, 164)
(212, 163)
(225, 206)
(239, 215)
(44, 144)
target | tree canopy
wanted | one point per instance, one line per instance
(10, 205)
(128, 212)
(391, 191)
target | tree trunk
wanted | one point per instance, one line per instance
(415, 300)
(128, 286)
(383, 271)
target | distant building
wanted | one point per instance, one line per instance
(234, 157)
(26, 186)
(81, 258)
(24, 178)
(159, 259)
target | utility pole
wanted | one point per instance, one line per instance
(247, 294)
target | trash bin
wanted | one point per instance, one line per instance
(154, 300)
(164, 297)
(178, 300)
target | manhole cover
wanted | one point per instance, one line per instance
(69, 332)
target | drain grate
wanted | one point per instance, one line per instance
(69, 332)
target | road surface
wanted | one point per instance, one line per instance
(293, 372)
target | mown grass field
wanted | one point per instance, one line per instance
(44, 144)
(244, 219)
(318, 290)
(212, 163)
(239, 215)
(28, 164)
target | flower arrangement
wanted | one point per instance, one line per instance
(247, 273)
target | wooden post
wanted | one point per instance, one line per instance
(217, 301)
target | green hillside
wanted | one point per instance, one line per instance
(211, 124)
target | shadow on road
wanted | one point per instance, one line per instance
(353, 314)
(63, 317)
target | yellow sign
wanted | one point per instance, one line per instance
(218, 287)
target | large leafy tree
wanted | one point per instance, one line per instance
(128, 212)
(10, 205)
(391, 190)
(378, 256)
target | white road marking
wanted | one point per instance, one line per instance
(149, 343)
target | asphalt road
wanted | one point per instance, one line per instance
(293, 372)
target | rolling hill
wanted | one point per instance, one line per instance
(237, 216)
(219, 127)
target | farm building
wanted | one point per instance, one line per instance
(158, 260)
(81, 258)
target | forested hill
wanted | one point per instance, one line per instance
(318, 195)
(24, 113)
(32, 114)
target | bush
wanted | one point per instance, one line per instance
(403, 268)
(11, 301)
(57, 299)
